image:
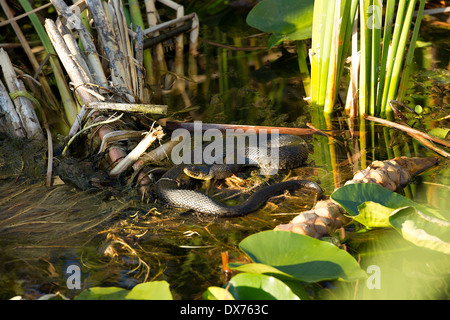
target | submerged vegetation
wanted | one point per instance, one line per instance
(109, 83)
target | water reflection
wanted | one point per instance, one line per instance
(120, 242)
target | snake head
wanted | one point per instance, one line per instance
(201, 172)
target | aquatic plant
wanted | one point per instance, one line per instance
(154, 290)
(380, 50)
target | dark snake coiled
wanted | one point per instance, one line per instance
(293, 152)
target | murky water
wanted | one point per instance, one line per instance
(121, 241)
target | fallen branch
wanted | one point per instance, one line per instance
(407, 129)
(173, 125)
(420, 136)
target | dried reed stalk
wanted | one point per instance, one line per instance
(26, 47)
(134, 155)
(129, 107)
(114, 54)
(12, 121)
(93, 59)
(24, 106)
(77, 76)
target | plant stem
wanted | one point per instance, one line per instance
(304, 72)
(365, 43)
(392, 54)
(410, 54)
(318, 20)
(393, 85)
(389, 18)
(375, 58)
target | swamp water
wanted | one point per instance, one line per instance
(122, 241)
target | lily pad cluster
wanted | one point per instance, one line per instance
(374, 206)
(282, 262)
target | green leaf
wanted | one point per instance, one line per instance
(217, 293)
(262, 269)
(351, 196)
(285, 19)
(251, 286)
(100, 293)
(439, 132)
(155, 290)
(373, 215)
(422, 230)
(286, 254)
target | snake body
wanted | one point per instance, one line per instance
(292, 151)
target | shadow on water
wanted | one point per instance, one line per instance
(118, 240)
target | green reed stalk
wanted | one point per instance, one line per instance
(387, 35)
(398, 63)
(382, 52)
(348, 17)
(325, 52)
(332, 77)
(343, 24)
(364, 70)
(410, 54)
(303, 66)
(318, 20)
(375, 53)
(392, 53)
(126, 12)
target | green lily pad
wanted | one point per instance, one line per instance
(422, 230)
(373, 215)
(285, 19)
(351, 196)
(155, 290)
(217, 293)
(251, 286)
(290, 255)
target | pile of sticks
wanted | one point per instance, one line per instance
(118, 83)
